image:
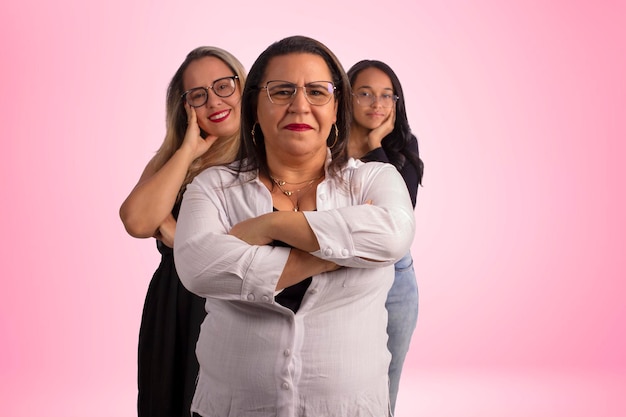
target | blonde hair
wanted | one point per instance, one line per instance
(224, 150)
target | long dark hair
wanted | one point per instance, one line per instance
(252, 150)
(395, 144)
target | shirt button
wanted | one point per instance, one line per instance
(266, 298)
(344, 252)
(328, 251)
(250, 297)
(285, 386)
(287, 352)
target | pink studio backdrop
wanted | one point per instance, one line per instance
(520, 110)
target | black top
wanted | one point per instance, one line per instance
(409, 171)
(291, 297)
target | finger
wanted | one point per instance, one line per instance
(191, 115)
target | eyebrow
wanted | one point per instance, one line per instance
(371, 88)
(213, 82)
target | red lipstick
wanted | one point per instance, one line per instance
(298, 127)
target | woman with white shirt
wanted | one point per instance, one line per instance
(294, 248)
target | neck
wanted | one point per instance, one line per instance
(296, 170)
(292, 182)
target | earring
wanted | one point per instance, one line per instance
(253, 133)
(336, 136)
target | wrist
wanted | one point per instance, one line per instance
(186, 154)
(374, 142)
(331, 266)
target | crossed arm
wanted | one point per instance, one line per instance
(292, 228)
(219, 255)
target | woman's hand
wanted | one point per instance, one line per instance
(166, 231)
(193, 140)
(376, 136)
(301, 265)
(254, 231)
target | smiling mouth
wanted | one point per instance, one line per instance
(219, 117)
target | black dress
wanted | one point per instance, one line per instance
(170, 325)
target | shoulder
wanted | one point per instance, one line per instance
(355, 168)
(214, 173)
(413, 147)
(412, 142)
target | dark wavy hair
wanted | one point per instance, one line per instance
(396, 143)
(252, 150)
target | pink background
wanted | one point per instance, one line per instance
(521, 114)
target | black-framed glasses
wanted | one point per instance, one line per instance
(222, 87)
(366, 99)
(317, 93)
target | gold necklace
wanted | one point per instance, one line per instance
(289, 193)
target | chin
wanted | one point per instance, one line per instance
(372, 126)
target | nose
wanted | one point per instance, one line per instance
(299, 102)
(212, 99)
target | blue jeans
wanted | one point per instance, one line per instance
(402, 306)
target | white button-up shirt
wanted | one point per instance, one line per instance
(257, 358)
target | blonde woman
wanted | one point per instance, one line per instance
(203, 117)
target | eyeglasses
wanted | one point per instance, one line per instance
(222, 87)
(366, 99)
(317, 93)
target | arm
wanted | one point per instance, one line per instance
(151, 201)
(366, 235)
(373, 231)
(166, 231)
(301, 265)
(212, 263)
(292, 228)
